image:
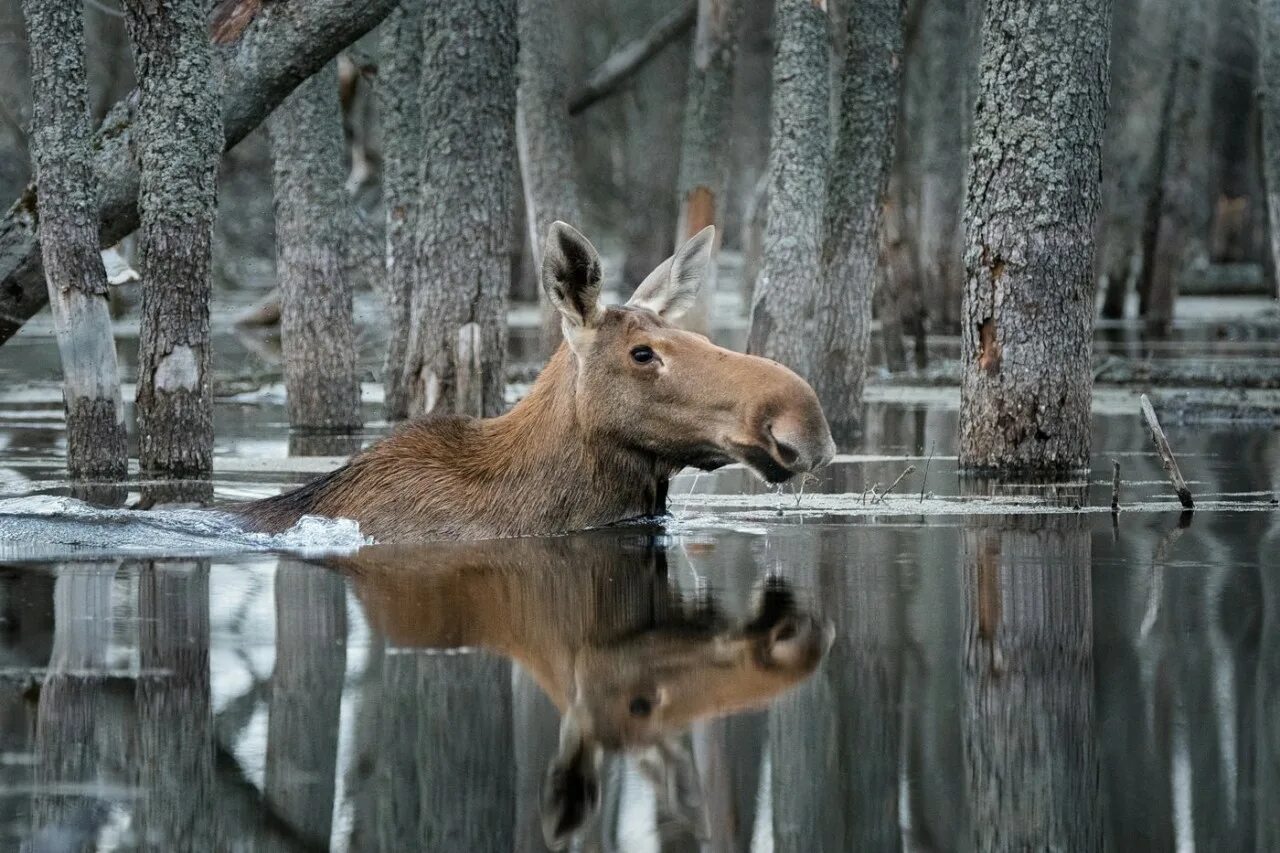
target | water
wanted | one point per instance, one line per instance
(960, 666)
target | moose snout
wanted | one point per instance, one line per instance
(802, 447)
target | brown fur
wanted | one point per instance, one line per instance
(600, 432)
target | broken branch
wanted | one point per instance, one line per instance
(1166, 454)
(624, 62)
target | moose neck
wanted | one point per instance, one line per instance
(548, 455)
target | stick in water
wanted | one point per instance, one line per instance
(925, 481)
(1166, 454)
(1115, 486)
(909, 470)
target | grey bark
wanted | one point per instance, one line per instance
(1140, 63)
(1269, 93)
(180, 143)
(316, 326)
(943, 146)
(306, 695)
(1029, 218)
(1027, 711)
(704, 139)
(1182, 234)
(402, 158)
(285, 44)
(457, 337)
(653, 116)
(77, 283)
(783, 306)
(855, 203)
(544, 140)
(1234, 92)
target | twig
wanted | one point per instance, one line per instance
(609, 75)
(1166, 454)
(1115, 486)
(909, 470)
(925, 481)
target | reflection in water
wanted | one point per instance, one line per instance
(994, 683)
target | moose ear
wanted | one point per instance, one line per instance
(571, 792)
(670, 289)
(571, 279)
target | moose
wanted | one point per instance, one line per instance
(626, 401)
(598, 625)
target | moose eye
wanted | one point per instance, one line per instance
(641, 355)
(640, 707)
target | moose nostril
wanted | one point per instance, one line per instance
(786, 453)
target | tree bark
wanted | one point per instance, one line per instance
(1029, 213)
(285, 44)
(457, 338)
(943, 146)
(544, 140)
(402, 158)
(1183, 231)
(181, 139)
(1269, 93)
(704, 140)
(317, 330)
(1027, 712)
(855, 204)
(77, 283)
(783, 306)
(306, 697)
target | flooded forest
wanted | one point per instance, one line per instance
(640, 425)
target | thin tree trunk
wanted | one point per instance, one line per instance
(306, 696)
(402, 158)
(783, 306)
(77, 282)
(749, 128)
(1027, 712)
(1030, 213)
(458, 334)
(704, 140)
(316, 326)
(544, 140)
(942, 157)
(181, 140)
(855, 204)
(1269, 92)
(285, 44)
(1181, 239)
(1233, 67)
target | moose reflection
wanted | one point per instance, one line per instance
(628, 663)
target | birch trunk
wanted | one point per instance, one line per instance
(458, 335)
(783, 306)
(181, 140)
(704, 141)
(1030, 211)
(77, 283)
(316, 326)
(855, 204)
(402, 158)
(544, 139)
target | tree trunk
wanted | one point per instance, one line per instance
(1233, 67)
(544, 139)
(855, 204)
(181, 139)
(458, 334)
(783, 306)
(1027, 712)
(749, 130)
(1029, 213)
(704, 140)
(312, 235)
(77, 282)
(943, 144)
(402, 158)
(1269, 91)
(1183, 231)
(285, 44)
(306, 697)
